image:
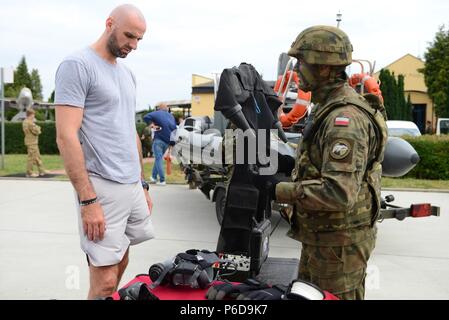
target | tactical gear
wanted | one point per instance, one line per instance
(324, 45)
(250, 104)
(192, 268)
(137, 291)
(311, 224)
(230, 290)
(267, 183)
(276, 292)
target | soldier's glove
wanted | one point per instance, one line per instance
(274, 293)
(267, 183)
(229, 290)
(286, 164)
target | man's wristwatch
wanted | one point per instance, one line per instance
(145, 185)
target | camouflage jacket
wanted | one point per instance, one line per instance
(31, 132)
(330, 191)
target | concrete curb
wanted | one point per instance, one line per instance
(179, 184)
(416, 190)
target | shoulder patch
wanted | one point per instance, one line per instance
(340, 149)
(342, 121)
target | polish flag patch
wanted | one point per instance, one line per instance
(341, 122)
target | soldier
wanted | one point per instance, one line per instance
(336, 180)
(32, 132)
(147, 141)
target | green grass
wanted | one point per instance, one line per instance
(176, 176)
(414, 183)
(16, 163)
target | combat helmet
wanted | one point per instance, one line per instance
(322, 45)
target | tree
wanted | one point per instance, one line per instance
(21, 76)
(394, 96)
(409, 108)
(21, 79)
(436, 72)
(36, 86)
(52, 97)
(405, 106)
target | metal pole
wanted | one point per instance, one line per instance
(3, 118)
(339, 15)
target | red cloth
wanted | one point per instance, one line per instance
(182, 293)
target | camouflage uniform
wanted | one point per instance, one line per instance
(147, 142)
(32, 132)
(336, 181)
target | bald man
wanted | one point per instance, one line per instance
(97, 138)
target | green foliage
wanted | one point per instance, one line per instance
(36, 86)
(436, 72)
(24, 79)
(51, 99)
(14, 138)
(11, 91)
(177, 115)
(40, 115)
(409, 108)
(21, 76)
(21, 79)
(140, 127)
(10, 113)
(433, 151)
(393, 93)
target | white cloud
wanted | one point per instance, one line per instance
(200, 36)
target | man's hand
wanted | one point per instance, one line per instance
(93, 221)
(149, 201)
(267, 183)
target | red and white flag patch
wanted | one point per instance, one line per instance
(341, 121)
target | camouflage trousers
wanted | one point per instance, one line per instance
(339, 270)
(34, 158)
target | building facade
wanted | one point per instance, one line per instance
(203, 96)
(414, 85)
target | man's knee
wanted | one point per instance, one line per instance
(104, 281)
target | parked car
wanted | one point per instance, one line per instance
(443, 126)
(398, 128)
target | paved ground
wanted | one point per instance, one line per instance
(40, 256)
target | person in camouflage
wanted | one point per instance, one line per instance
(147, 141)
(335, 188)
(32, 131)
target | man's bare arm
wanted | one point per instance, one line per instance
(142, 174)
(68, 123)
(139, 148)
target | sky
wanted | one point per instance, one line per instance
(206, 36)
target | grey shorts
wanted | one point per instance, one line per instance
(127, 220)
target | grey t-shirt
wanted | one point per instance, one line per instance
(107, 92)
